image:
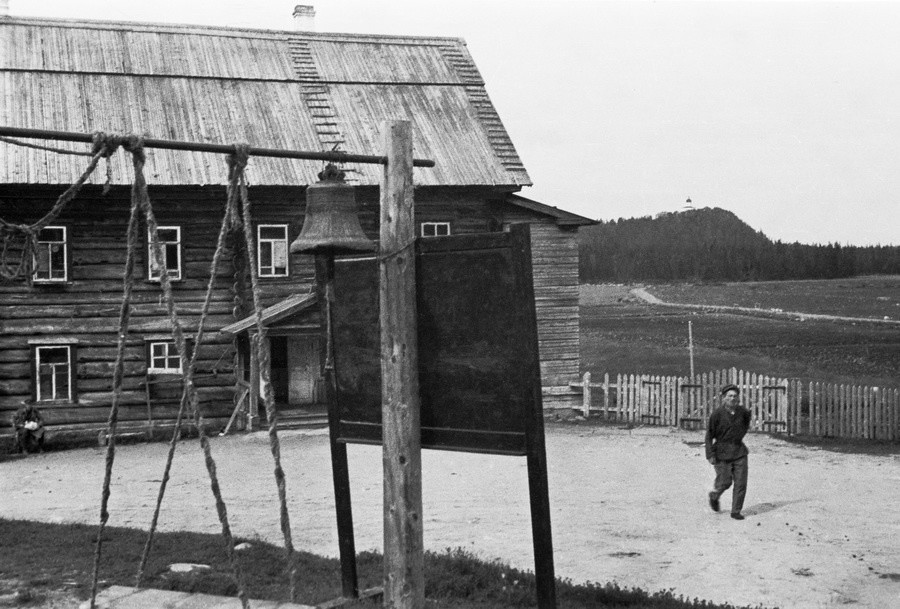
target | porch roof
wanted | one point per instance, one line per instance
(273, 314)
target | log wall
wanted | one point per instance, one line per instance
(85, 309)
(554, 255)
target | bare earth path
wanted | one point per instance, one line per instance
(628, 506)
(651, 299)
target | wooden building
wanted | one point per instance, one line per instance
(273, 89)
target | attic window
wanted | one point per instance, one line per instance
(435, 229)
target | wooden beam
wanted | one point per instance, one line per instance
(404, 580)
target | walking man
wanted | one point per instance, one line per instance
(726, 451)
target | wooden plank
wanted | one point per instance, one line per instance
(586, 395)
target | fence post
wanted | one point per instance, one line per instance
(605, 395)
(586, 395)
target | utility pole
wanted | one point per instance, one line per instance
(404, 579)
(691, 348)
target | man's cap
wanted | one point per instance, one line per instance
(728, 388)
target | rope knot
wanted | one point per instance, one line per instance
(135, 145)
(106, 144)
(237, 160)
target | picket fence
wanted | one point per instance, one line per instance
(776, 404)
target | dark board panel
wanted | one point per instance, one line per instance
(479, 372)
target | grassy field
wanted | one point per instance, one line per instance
(32, 577)
(873, 297)
(621, 334)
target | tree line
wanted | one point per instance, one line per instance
(713, 244)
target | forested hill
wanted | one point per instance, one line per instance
(713, 244)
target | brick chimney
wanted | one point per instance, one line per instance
(304, 18)
(4, 8)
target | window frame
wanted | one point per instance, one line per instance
(287, 253)
(65, 264)
(71, 394)
(435, 226)
(171, 352)
(177, 274)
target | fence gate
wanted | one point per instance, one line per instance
(772, 413)
(692, 404)
(658, 400)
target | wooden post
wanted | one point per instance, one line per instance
(586, 395)
(404, 579)
(340, 471)
(605, 395)
(253, 415)
(691, 348)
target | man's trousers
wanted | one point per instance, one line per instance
(726, 472)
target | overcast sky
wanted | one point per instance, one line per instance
(787, 114)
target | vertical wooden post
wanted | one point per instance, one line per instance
(586, 395)
(404, 579)
(340, 471)
(691, 347)
(253, 414)
(536, 452)
(605, 395)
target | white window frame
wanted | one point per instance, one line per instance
(170, 351)
(435, 228)
(37, 380)
(155, 274)
(49, 244)
(270, 272)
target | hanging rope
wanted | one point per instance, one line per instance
(16, 142)
(237, 186)
(185, 396)
(230, 219)
(141, 202)
(104, 146)
(118, 372)
(189, 389)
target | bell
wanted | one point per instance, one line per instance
(331, 225)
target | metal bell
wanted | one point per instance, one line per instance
(331, 225)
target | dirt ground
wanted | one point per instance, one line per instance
(628, 506)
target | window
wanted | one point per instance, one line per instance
(51, 255)
(435, 229)
(163, 358)
(170, 242)
(54, 373)
(272, 250)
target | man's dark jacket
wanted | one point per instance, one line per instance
(725, 434)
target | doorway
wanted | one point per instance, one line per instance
(295, 370)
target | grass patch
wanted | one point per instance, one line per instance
(635, 338)
(874, 297)
(42, 558)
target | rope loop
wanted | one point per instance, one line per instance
(237, 160)
(16, 262)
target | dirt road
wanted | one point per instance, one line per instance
(628, 506)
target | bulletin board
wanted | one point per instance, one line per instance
(479, 369)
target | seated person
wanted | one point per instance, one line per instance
(29, 426)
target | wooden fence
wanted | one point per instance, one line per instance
(775, 404)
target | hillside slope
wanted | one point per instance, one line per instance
(713, 244)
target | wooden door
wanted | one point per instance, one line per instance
(303, 369)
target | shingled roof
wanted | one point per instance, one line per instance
(274, 89)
